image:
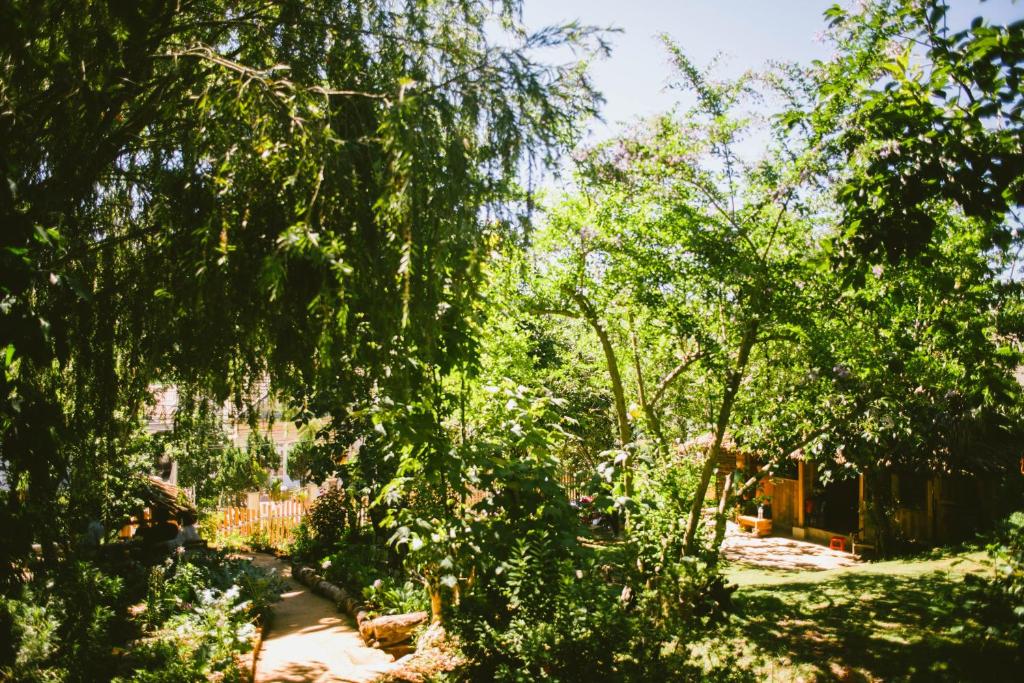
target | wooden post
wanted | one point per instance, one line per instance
(801, 493)
(862, 508)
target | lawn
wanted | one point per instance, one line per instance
(903, 620)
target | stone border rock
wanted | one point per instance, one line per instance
(383, 632)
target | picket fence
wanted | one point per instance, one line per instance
(275, 519)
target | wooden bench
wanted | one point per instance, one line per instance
(759, 527)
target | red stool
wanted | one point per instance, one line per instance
(837, 543)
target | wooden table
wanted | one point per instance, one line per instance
(759, 527)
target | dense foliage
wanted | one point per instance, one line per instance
(182, 620)
(333, 202)
(142, 243)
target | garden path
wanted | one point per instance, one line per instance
(780, 552)
(310, 640)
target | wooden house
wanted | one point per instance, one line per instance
(806, 501)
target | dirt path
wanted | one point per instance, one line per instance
(310, 640)
(778, 552)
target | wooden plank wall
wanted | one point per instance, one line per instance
(785, 502)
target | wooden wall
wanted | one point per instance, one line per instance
(785, 504)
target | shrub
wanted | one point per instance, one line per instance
(388, 595)
(62, 625)
(302, 546)
(197, 644)
(357, 566)
(328, 516)
(1001, 599)
(28, 639)
(549, 621)
(201, 613)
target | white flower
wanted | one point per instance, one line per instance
(246, 631)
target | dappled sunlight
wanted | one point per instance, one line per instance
(777, 552)
(309, 640)
(865, 626)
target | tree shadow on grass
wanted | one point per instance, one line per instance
(873, 626)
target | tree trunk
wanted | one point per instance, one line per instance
(720, 517)
(649, 412)
(881, 510)
(724, 414)
(621, 416)
(436, 606)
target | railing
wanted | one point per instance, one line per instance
(275, 519)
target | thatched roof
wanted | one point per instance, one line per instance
(697, 448)
(702, 443)
(158, 494)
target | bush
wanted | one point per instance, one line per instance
(1001, 599)
(201, 611)
(28, 639)
(328, 516)
(357, 566)
(678, 593)
(60, 627)
(548, 621)
(72, 623)
(302, 546)
(388, 595)
(197, 644)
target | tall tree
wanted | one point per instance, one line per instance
(211, 193)
(718, 248)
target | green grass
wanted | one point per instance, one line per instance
(902, 620)
(954, 564)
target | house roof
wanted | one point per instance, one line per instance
(157, 493)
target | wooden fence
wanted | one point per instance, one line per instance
(575, 485)
(276, 520)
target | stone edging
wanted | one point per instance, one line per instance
(261, 634)
(381, 632)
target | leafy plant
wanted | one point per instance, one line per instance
(29, 638)
(1000, 599)
(328, 516)
(388, 595)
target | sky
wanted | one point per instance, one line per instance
(748, 33)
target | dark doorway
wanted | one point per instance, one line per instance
(837, 506)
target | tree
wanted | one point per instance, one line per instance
(920, 117)
(719, 249)
(212, 193)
